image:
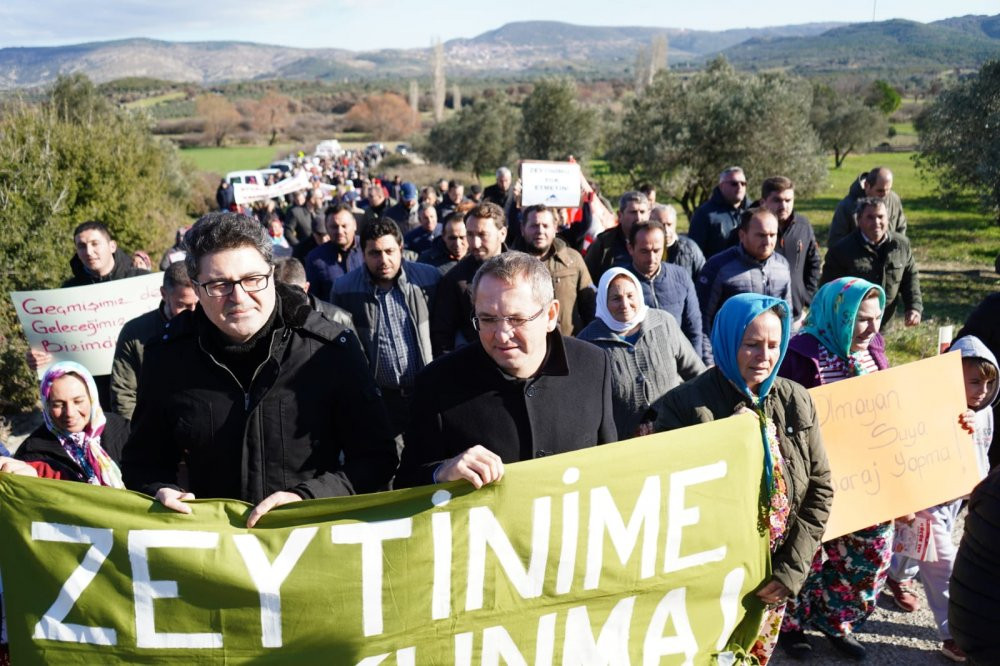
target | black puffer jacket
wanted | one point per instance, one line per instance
(312, 421)
(123, 269)
(974, 605)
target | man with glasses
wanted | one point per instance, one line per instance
(520, 391)
(263, 399)
(714, 221)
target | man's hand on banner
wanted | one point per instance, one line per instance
(477, 465)
(173, 499)
(269, 502)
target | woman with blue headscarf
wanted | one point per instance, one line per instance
(749, 339)
(78, 441)
(839, 340)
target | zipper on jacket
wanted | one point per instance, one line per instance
(245, 391)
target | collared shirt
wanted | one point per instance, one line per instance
(873, 243)
(398, 352)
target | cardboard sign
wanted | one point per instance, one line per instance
(555, 184)
(580, 558)
(82, 323)
(894, 442)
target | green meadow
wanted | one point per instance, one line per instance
(234, 158)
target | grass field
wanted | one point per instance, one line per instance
(234, 158)
(955, 245)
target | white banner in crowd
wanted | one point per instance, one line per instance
(555, 184)
(246, 192)
(82, 323)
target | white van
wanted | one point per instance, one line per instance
(253, 177)
(328, 148)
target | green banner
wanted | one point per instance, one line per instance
(640, 552)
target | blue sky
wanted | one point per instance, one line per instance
(374, 24)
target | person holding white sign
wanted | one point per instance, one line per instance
(98, 259)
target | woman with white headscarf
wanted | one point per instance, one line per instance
(649, 353)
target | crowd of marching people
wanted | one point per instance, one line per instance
(367, 333)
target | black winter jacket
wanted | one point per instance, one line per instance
(123, 269)
(43, 446)
(312, 421)
(464, 399)
(974, 604)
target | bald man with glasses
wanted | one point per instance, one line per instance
(520, 391)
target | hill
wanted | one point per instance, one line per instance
(524, 48)
(965, 42)
(516, 48)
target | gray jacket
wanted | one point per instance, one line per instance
(659, 360)
(355, 292)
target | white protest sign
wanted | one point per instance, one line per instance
(555, 184)
(248, 192)
(82, 323)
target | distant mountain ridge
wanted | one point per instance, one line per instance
(966, 41)
(519, 48)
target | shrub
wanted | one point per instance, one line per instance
(56, 172)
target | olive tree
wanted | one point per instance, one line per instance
(554, 124)
(479, 138)
(960, 136)
(844, 123)
(679, 134)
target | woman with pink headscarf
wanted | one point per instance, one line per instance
(78, 441)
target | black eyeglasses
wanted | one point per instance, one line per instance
(220, 288)
(490, 323)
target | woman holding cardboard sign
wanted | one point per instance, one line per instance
(749, 339)
(839, 340)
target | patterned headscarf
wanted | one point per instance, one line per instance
(731, 323)
(602, 301)
(831, 317)
(84, 447)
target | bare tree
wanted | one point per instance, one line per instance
(649, 61)
(415, 97)
(641, 68)
(219, 114)
(437, 73)
(270, 115)
(456, 97)
(385, 115)
(657, 56)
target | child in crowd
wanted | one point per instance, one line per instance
(979, 368)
